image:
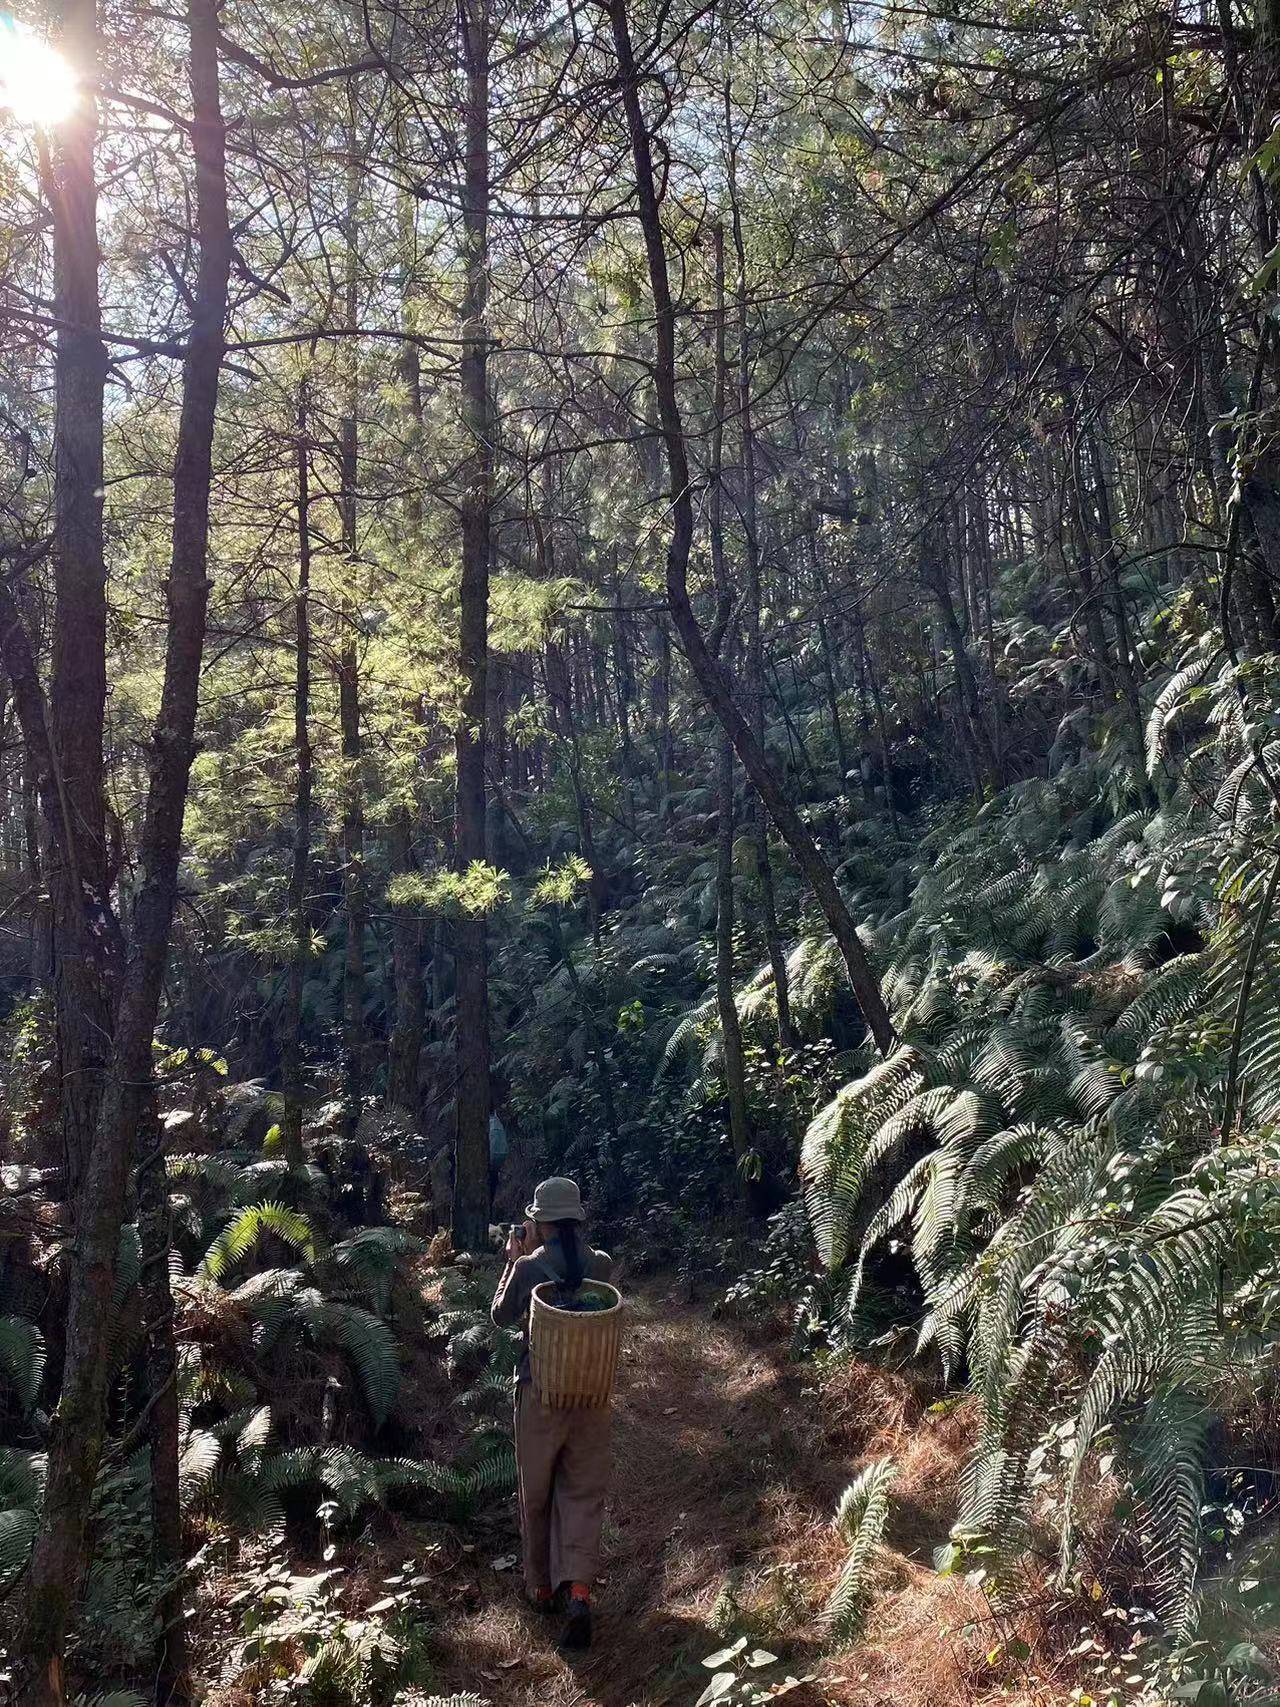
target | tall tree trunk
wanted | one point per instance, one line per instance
(60, 1552)
(751, 542)
(711, 677)
(404, 1051)
(355, 899)
(86, 940)
(292, 1081)
(726, 995)
(471, 1145)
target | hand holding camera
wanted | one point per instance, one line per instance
(519, 1240)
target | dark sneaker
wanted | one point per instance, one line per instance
(577, 1630)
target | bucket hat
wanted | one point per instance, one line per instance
(556, 1200)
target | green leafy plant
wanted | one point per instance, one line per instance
(745, 1676)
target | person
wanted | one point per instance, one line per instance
(499, 1150)
(562, 1456)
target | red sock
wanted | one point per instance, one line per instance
(579, 1591)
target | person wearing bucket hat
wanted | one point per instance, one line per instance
(562, 1456)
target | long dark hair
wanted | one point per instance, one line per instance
(574, 1265)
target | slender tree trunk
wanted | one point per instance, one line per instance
(349, 712)
(666, 740)
(934, 575)
(833, 700)
(172, 1681)
(60, 1552)
(711, 677)
(299, 914)
(726, 994)
(1109, 552)
(755, 661)
(36, 839)
(882, 730)
(404, 1052)
(471, 1148)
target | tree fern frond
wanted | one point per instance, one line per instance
(1167, 1447)
(1171, 702)
(366, 1341)
(17, 1537)
(199, 1458)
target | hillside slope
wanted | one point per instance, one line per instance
(729, 1462)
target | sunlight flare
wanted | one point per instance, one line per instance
(37, 85)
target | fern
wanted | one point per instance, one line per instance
(494, 1476)
(860, 1520)
(17, 1538)
(21, 1358)
(365, 1340)
(198, 1460)
(1171, 702)
(245, 1231)
(371, 1256)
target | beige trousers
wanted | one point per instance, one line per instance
(563, 1462)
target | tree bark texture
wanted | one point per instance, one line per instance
(60, 1552)
(471, 1143)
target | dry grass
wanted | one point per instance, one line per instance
(728, 1464)
(729, 1460)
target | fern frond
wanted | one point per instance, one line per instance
(245, 1231)
(1171, 702)
(21, 1358)
(860, 1519)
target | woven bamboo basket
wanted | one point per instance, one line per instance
(573, 1354)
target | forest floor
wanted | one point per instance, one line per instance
(729, 1460)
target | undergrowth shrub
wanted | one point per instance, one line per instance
(290, 1330)
(299, 1644)
(1063, 1180)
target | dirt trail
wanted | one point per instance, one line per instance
(729, 1463)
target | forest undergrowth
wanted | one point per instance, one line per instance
(687, 595)
(730, 1460)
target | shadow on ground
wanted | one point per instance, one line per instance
(726, 1469)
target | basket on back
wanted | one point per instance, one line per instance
(573, 1354)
